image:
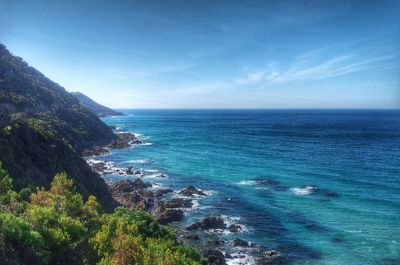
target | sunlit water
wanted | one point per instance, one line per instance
(321, 186)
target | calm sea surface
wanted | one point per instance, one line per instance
(321, 186)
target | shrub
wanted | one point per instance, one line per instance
(57, 227)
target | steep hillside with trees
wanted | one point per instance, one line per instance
(44, 129)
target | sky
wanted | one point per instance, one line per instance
(213, 54)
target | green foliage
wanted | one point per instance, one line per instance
(7, 194)
(41, 126)
(57, 227)
(18, 241)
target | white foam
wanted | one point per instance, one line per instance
(157, 176)
(230, 219)
(241, 259)
(140, 161)
(207, 192)
(248, 182)
(146, 144)
(137, 135)
(303, 191)
(151, 170)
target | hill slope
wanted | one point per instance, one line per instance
(44, 129)
(95, 107)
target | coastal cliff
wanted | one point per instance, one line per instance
(47, 212)
(95, 107)
(44, 129)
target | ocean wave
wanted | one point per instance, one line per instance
(303, 191)
(140, 161)
(247, 182)
(157, 176)
(240, 258)
(146, 143)
(152, 170)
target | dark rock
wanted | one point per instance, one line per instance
(211, 222)
(131, 195)
(240, 243)
(165, 215)
(191, 191)
(214, 257)
(228, 256)
(129, 171)
(99, 167)
(124, 140)
(157, 193)
(133, 200)
(129, 186)
(235, 228)
(179, 203)
(215, 242)
(95, 151)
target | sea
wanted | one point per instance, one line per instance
(318, 186)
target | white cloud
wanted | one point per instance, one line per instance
(312, 66)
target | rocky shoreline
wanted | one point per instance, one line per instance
(167, 209)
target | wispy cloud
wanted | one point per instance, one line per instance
(314, 65)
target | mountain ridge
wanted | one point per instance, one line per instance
(96, 108)
(44, 129)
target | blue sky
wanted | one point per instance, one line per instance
(213, 54)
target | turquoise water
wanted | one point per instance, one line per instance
(257, 165)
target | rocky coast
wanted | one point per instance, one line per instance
(168, 207)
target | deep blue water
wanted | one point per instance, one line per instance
(256, 163)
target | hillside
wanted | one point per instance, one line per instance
(44, 129)
(95, 107)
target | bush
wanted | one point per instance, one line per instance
(57, 227)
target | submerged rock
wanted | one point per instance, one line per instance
(207, 223)
(271, 257)
(240, 243)
(191, 237)
(191, 191)
(215, 242)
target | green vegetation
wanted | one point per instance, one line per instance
(41, 127)
(56, 226)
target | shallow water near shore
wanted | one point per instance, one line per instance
(320, 186)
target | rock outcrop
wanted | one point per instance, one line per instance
(124, 140)
(212, 222)
(166, 215)
(191, 191)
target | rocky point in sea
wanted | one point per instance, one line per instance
(168, 209)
